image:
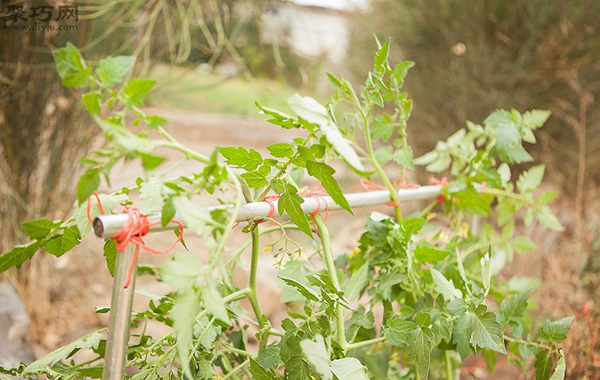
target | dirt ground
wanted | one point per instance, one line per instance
(77, 282)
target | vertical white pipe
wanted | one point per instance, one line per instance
(115, 355)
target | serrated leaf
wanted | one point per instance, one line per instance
(309, 109)
(92, 101)
(420, 348)
(71, 67)
(183, 313)
(269, 357)
(546, 198)
(88, 341)
(110, 255)
(546, 218)
(404, 157)
(534, 119)
(531, 179)
(168, 211)
(512, 309)
(281, 150)
(213, 301)
(555, 331)
(151, 195)
(461, 334)
(561, 367)
(357, 283)
(398, 332)
(259, 372)
(306, 291)
(428, 253)
(349, 369)
(255, 179)
(19, 254)
(181, 273)
(543, 365)
(523, 244)
(58, 245)
(241, 157)
(136, 90)
(290, 202)
(112, 70)
(194, 216)
(324, 173)
(88, 183)
(38, 228)
(486, 331)
(444, 286)
(317, 355)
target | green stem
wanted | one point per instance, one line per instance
(364, 343)
(448, 363)
(261, 318)
(326, 243)
(237, 369)
(381, 172)
(534, 344)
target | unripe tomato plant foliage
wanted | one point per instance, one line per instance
(416, 297)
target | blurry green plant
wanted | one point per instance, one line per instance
(475, 56)
(415, 298)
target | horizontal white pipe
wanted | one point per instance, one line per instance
(109, 226)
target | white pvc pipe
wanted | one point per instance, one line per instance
(109, 226)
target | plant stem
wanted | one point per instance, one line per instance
(448, 363)
(237, 369)
(380, 171)
(534, 344)
(261, 318)
(364, 343)
(326, 243)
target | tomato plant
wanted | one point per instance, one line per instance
(417, 296)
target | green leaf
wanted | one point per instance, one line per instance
(543, 365)
(150, 161)
(214, 302)
(561, 367)
(296, 368)
(324, 173)
(531, 179)
(38, 228)
(168, 211)
(136, 90)
(92, 101)
(151, 195)
(110, 255)
(181, 273)
(19, 254)
(546, 218)
(523, 244)
(349, 369)
(461, 334)
(255, 180)
(428, 253)
(88, 341)
(556, 331)
(88, 183)
(281, 150)
(534, 119)
(71, 67)
(546, 198)
(259, 372)
(194, 216)
(357, 282)
(512, 309)
(58, 245)
(420, 348)
(154, 121)
(486, 331)
(317, 355)
(311, 110)
(183, 313)
(404, 157)
(398, 332)
(306, 291)
(268, 357)
(290, 202)
(241, 157)
(112, 70)
(445, 287)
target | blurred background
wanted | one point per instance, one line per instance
(213, 59)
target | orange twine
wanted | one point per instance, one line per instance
(136, 227)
